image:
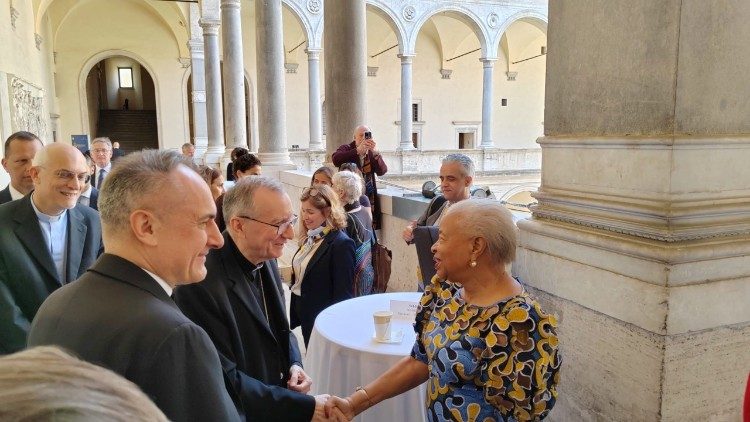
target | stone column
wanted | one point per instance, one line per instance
(269, 32)
(345, 52)
(313, 75)
(640, 241)
(198, 77)
(214, 108)
(406, 103)
(235, 125)
(487, 103)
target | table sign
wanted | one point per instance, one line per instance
(404, 309)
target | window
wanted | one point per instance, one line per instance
(126, 77)
(415, 112)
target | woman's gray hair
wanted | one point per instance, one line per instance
(47, 384)
(240, 198)
(490, 220)
(133, 178)
(463, 160)
(348, 185)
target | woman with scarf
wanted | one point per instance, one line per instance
(323, 266)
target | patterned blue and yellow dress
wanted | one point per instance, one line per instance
(486, 363)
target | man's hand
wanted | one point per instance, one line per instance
(298, 380)
(408, 233)
(338, 407)
(320, 412)
(371, 146)
(361, 147)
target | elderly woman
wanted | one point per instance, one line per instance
(323, 266)
(348, 186)
(363, 199)
(486, 348)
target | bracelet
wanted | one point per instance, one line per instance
(367, 396)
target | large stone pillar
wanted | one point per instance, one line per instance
(214, 108)
(198, 78)
(345, 50)
(235, 125)
(313, 75)
(641, 238)
(406, 103)
(269, 50)
(487, 103)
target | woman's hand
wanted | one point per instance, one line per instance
(337, 404)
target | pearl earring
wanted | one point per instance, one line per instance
(473, 264)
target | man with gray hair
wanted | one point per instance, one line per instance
(241, 305)
(101, 153)
(456, 175)
(120, 314)
(46, 240)
(188, 150)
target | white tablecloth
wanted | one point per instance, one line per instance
(343, 355)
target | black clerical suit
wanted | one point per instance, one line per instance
(251, 332)
(27, 269)
(119, 317)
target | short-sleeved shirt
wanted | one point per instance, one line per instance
(486, 363)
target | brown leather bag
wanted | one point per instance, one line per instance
(381, 260)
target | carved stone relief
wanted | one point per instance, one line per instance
(27, 108)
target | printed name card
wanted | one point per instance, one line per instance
(404, 309)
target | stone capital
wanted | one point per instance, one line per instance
(313, 54)
(210, 26)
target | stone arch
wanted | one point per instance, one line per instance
(463, 14)
(533, 17)
(516, 190)
(304, 21)
(392, 20)
(170, 24)
(96, 58)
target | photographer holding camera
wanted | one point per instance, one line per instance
(363, 152)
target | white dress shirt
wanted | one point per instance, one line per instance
(14, 194)
(167, 288)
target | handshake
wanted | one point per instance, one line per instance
(333, 408)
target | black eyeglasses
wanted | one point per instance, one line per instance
(280, 228)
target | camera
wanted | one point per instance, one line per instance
(368, 135)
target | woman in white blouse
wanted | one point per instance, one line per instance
(323, 266)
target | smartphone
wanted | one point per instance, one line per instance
(368, 135)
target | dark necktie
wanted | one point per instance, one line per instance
(100, 179)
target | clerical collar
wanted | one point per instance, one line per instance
(250, 269)
(46, 217)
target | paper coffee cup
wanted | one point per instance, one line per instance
(382, 321)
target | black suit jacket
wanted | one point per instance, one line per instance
(5, 195)
(256, 360)
(27, 270)
(119, 317)
(328, 279)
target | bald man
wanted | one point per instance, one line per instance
(46, 240)
(363, 152)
